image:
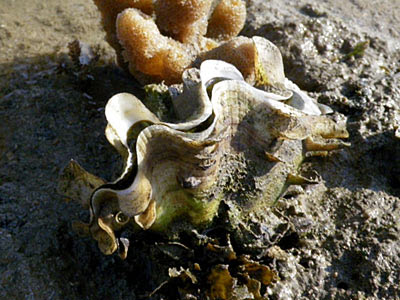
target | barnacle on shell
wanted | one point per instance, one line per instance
(226, 131)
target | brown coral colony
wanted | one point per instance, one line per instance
(158, 41)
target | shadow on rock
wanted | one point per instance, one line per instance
(52, 111)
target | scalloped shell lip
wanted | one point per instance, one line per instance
(124, 111)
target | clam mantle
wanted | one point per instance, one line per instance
(231, 142)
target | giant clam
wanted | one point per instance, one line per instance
(231, 142)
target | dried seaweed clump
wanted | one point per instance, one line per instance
(158, 41)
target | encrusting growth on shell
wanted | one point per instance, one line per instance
(177, 173)
(157, 42)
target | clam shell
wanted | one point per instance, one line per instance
(225, 129)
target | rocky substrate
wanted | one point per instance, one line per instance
(338, 239)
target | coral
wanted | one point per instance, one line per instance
(184, 21)
(220, 26)
(152, 57)
(239, 51)
(109, 10)
(158, 42)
